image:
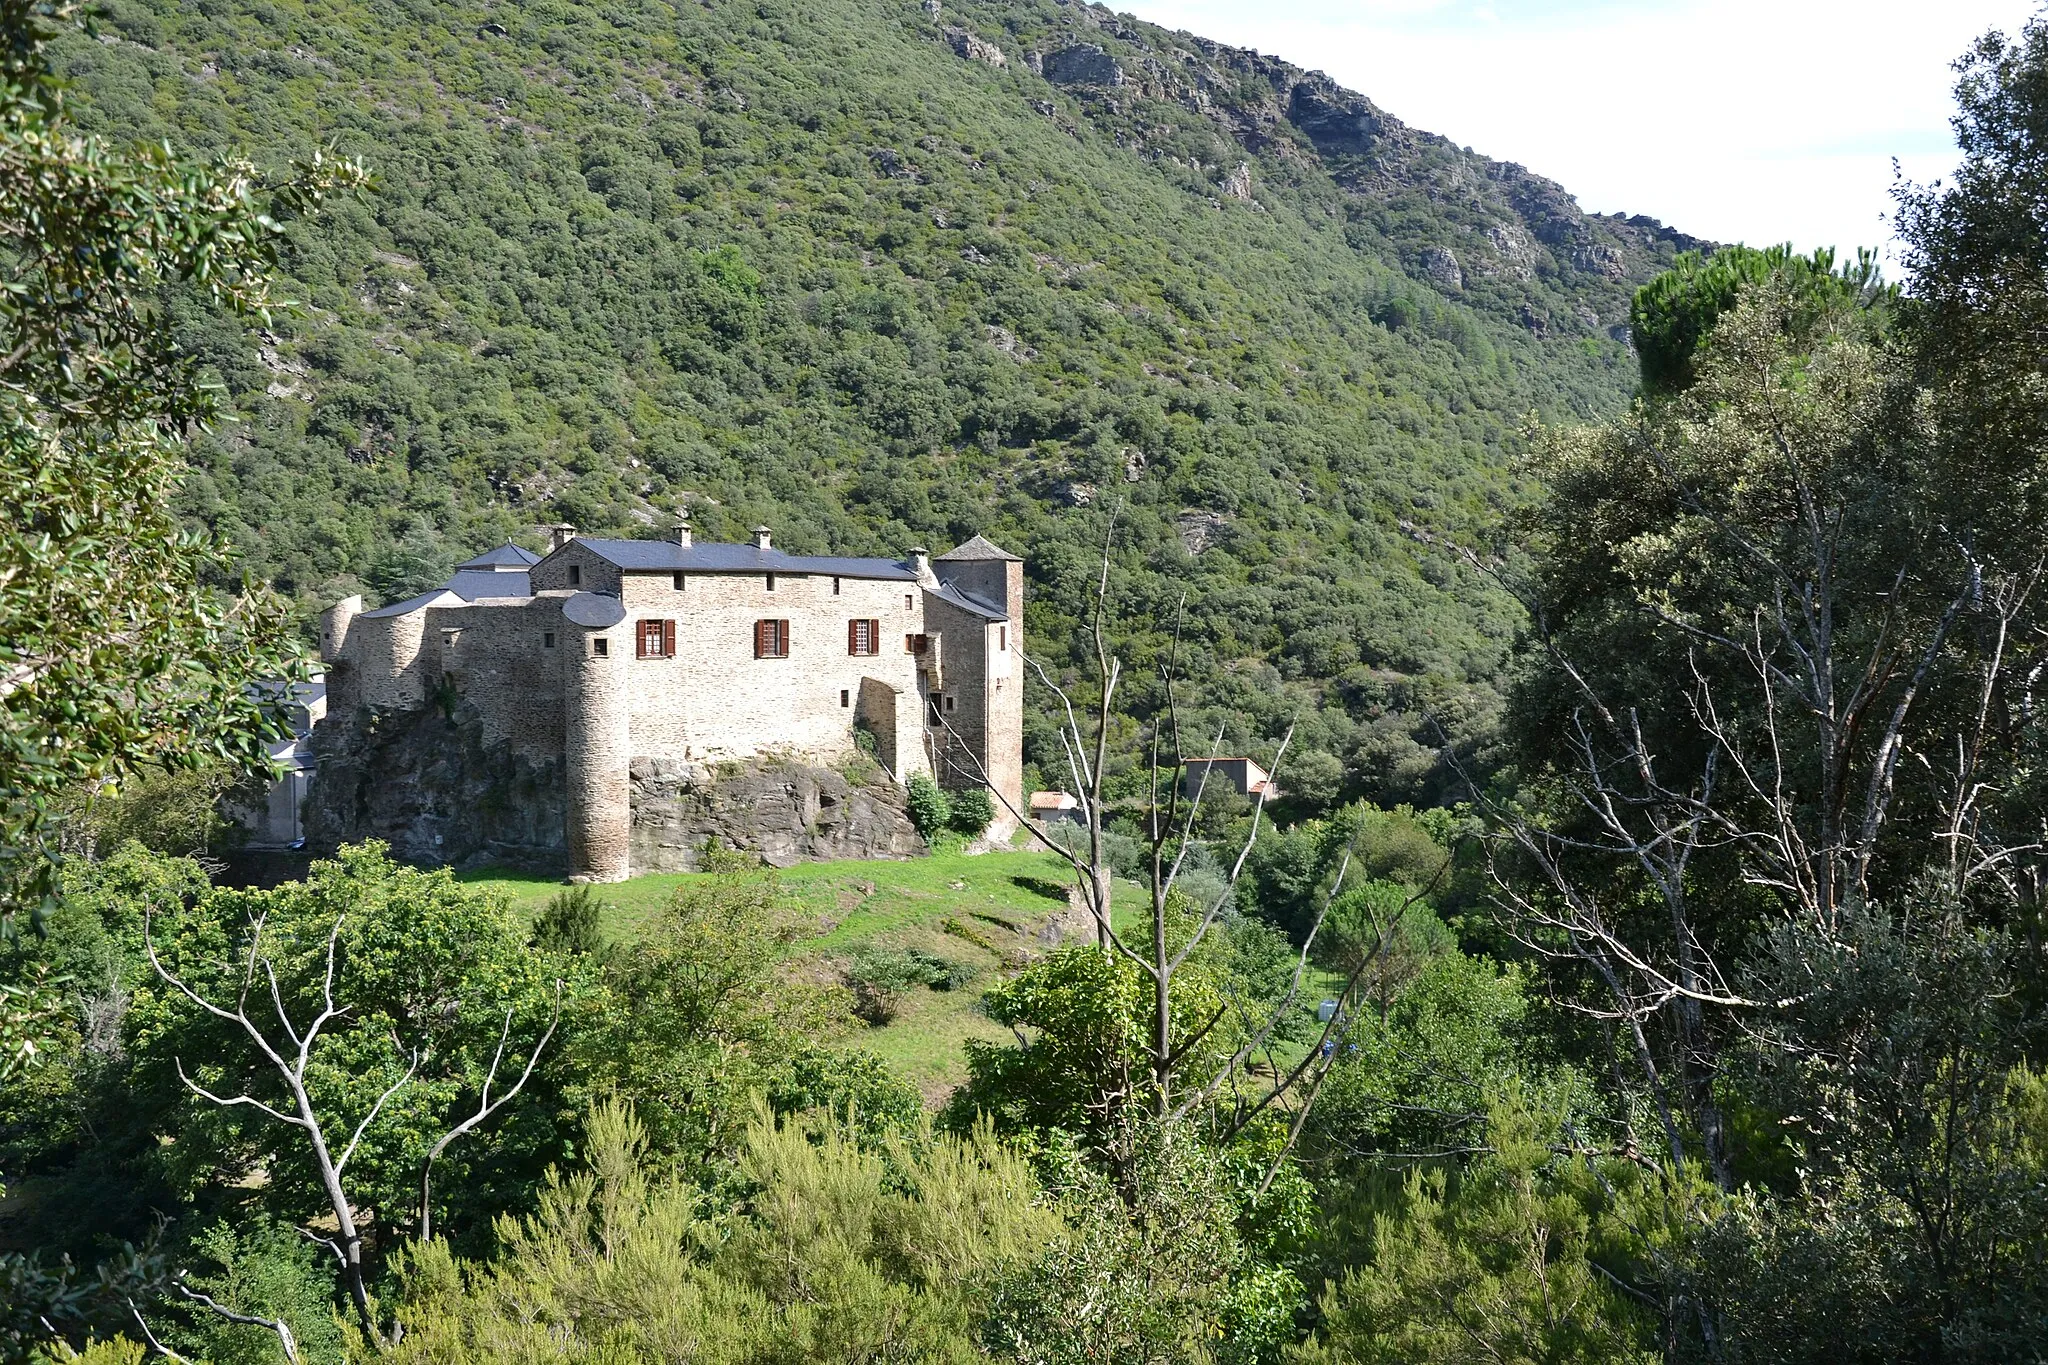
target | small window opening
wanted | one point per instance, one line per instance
(547, 640)
(931, 706)
(908, 602)
(679, 582)
(835, 585)
(949, 703)
(771, 582)
(575, 575)
(601, 647)
(1002, 637)
(845, 696)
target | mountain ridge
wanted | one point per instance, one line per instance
(831, 267)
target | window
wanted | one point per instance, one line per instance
(931, 706)
(771, 639)
(601, 647)
(863, 637)
(845, 696)
(916, 644)
(655, 639)
(949, 702)
(1002, 637)
(908, 602)
(547, 640)
(575, 575)
(835, 585)
(679, 582)
(771, 582)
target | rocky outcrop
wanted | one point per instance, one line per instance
(1440, 268)
(1082, 64)
(786, 811)
(425, 783)
(973, 48)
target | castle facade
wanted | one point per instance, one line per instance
(604, 659)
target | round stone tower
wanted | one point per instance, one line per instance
(597, 735)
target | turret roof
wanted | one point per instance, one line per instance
(506, 556)
(979, 548)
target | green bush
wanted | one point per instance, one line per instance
(929, 808)
(568, 922)
(880, 976)
(974, 810)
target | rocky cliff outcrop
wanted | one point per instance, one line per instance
(1497, 236)
(427, 784)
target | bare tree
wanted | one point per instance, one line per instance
(1250, 1078)
(286, 1050)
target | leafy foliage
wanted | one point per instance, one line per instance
(118, 645)
(931, 810)
(805, 264)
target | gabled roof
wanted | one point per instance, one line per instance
(666, 556)
(978, 548)
(439, 597)
(471, 584)
(506, 556)
(950, 592)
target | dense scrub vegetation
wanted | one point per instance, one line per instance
(1707, 1026)
(805, 264)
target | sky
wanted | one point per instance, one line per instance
(1736, 120)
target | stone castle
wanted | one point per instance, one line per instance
(547, 709)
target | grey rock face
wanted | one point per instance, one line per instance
(1335, 124)
(967, 45)
(425, 783)
(1082, 64)
(1238, 184)
(788, 812)
(1440, 264)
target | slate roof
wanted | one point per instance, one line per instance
(966, 602)
(668, 557)
(978, 548)
(470, 584)
(439, 597)
(506, 556)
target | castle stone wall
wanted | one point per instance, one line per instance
(714, 700)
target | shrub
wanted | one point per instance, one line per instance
(974, 810)
(568, 922)
(880, 976)
(929, 809)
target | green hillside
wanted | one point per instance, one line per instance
(828, 266)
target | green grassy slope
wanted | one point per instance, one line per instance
(991, 912)
(805, 263)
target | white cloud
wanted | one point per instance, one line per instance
(1738, 120)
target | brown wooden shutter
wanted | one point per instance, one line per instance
(784, 651)
(761, 639)
(668, 639)
(874, 637)
(853, 637)
(640, 639)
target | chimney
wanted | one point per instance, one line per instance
(559, 535)
(760, 537)
(921, 563)
(680, 532)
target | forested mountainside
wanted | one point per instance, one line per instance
(882, 275)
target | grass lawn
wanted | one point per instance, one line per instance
(991, 911)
